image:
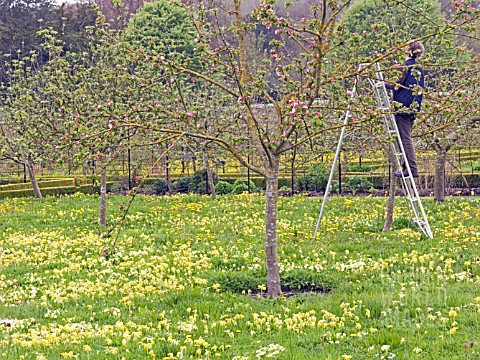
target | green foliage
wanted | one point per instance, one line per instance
(240, 188)
(315, 180)
(249, 185)
(476, 166)
(250, 281)
(402, 222)
(163, 27)
(118, 186)
(357, 183)
(373, 26)
(198, 181)
(223, 188)
(239, 281)
(160, 187)
(182, 184)
(305, 281)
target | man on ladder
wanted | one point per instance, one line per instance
(407, 99)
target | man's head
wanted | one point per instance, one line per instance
(416, 49)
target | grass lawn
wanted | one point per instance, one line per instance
(173, 288)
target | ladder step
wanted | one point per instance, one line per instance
(412, 198)
(419, 222)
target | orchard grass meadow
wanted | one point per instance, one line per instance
(187, 276)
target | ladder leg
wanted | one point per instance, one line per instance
(330, 177)
(335, 159)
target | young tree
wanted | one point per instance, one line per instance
(448, 116)
(27, 130)
(96, 88)
(163, 27)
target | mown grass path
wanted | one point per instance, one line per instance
(173, 289)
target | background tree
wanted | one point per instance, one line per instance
(21, 20)
(374, 26)
(29, 132)
(163, 27)
(96, 89)
(448, 116)
(72, 21)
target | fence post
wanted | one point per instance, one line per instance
(93, 172)
(340, 174)
(129, 169)
(248, 172)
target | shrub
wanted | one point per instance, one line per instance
(240, 188)
(223, 188)
(198, 181)
(334, 186)
(476, 166)
(9, 181)
(250, 186)
(182, 184)
(356, 183)
(249, 281)
(315, 180)
(117, 187)
(303, 280)
(239, 281)
(160, 187)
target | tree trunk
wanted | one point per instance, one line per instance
(439, 179)
(33, 180)
(211, 183)
(391, 192)
(271, 194)
(103, 198)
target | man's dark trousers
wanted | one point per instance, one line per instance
(404, 124)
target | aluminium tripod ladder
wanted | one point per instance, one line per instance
(408, 182)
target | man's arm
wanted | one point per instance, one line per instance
(401, 80)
